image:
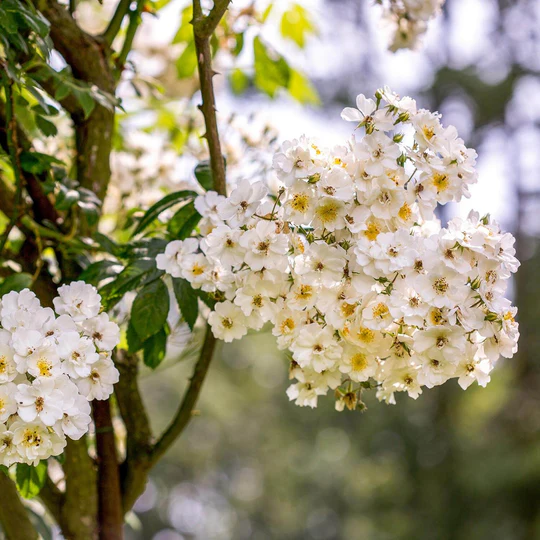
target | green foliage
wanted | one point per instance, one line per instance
(155, 348)
(184, 221)
(272, 72)
(187, 299)
(186, 64)
(150, 309)
(155, 210)
(203, 174)
(15, 282)
(239, 81)
(296, 24)
(30, 479)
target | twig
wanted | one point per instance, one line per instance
(185, 411)
(201, 27)
(134, 21)
(205, 26)
(116, 21)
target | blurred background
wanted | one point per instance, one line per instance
(451, 465)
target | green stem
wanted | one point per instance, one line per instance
(116, 21)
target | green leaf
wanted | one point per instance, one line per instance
(182, 219)
(155, 210)
(108, 245)
(271, 69)
(185, 31)
(128, 280)
(47, 128)
(155, 348)
(100, 270)
(150, 309)
(186, 64)
(296, 24)
(302, 90)
(203, 174)
(30, 479)
(62, 91)
(85, 99)
(37, 163)
(133, 340)
(15, 282)
(187, 299)
(239, 81)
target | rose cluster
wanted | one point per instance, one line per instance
(51, 366)
(350, 266)
(408, 20)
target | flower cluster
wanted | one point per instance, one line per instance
(350, 266)
(51, 366)
(408, 20)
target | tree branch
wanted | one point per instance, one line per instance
(134, 469)
(201, 26)
(205, 26)
(208, 106)
(184, 413)
(111, 517)
(53, 499)
(13, 516)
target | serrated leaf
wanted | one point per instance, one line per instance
(15, 282)
(187, 299)
(155, 210)
(155, 349)
(29, 479)
(150, 309)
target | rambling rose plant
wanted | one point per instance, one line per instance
(350, 266)
(52, 364)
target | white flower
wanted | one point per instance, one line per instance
(265, 247)
(99, 383)
(106, 334)
(42, 399)
(34, 441)
(227, 321)
(79, 300)
(316, 347)
(242, 202)
(79, 353)
(8, 403)
(76, 419)
(207, 205)
(175, 252)
(366, 114)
